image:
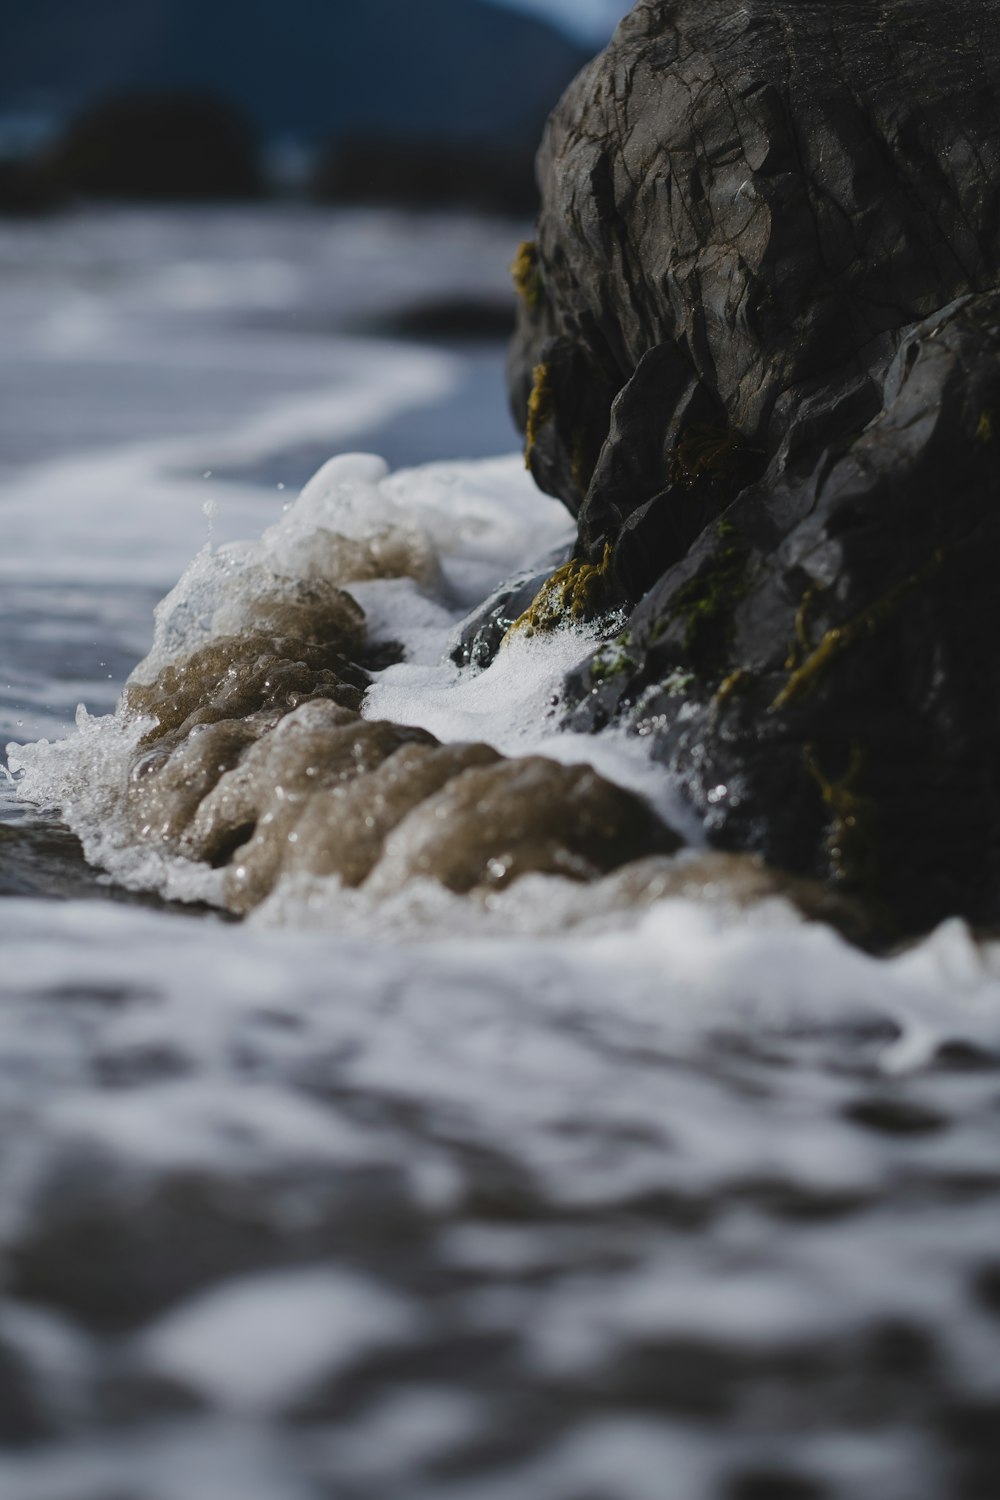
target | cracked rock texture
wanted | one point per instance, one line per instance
(758, 357)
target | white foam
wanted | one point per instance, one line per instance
(464, 527)
(259, 1343)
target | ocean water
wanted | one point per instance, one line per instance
(549, 1192)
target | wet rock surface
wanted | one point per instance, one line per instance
(758, 356)
(256, 760)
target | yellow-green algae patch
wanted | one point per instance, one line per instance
(525, 274)
(852, 843)
(574, 593)
(842, 637)
(541, 409)
(728, 686)
(801, 642)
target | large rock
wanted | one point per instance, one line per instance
(758, 356)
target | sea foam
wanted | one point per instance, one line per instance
(237, 741)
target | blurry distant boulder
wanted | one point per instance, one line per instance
(428, 174)
(158, 146)
(25, 187)
(25, 184)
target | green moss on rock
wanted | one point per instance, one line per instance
(841, 638)
(708, 599)
(574, 593)
(612, 660)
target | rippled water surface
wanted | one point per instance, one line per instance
(523, 1199)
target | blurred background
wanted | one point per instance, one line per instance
(436, 103)
(207, 206)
